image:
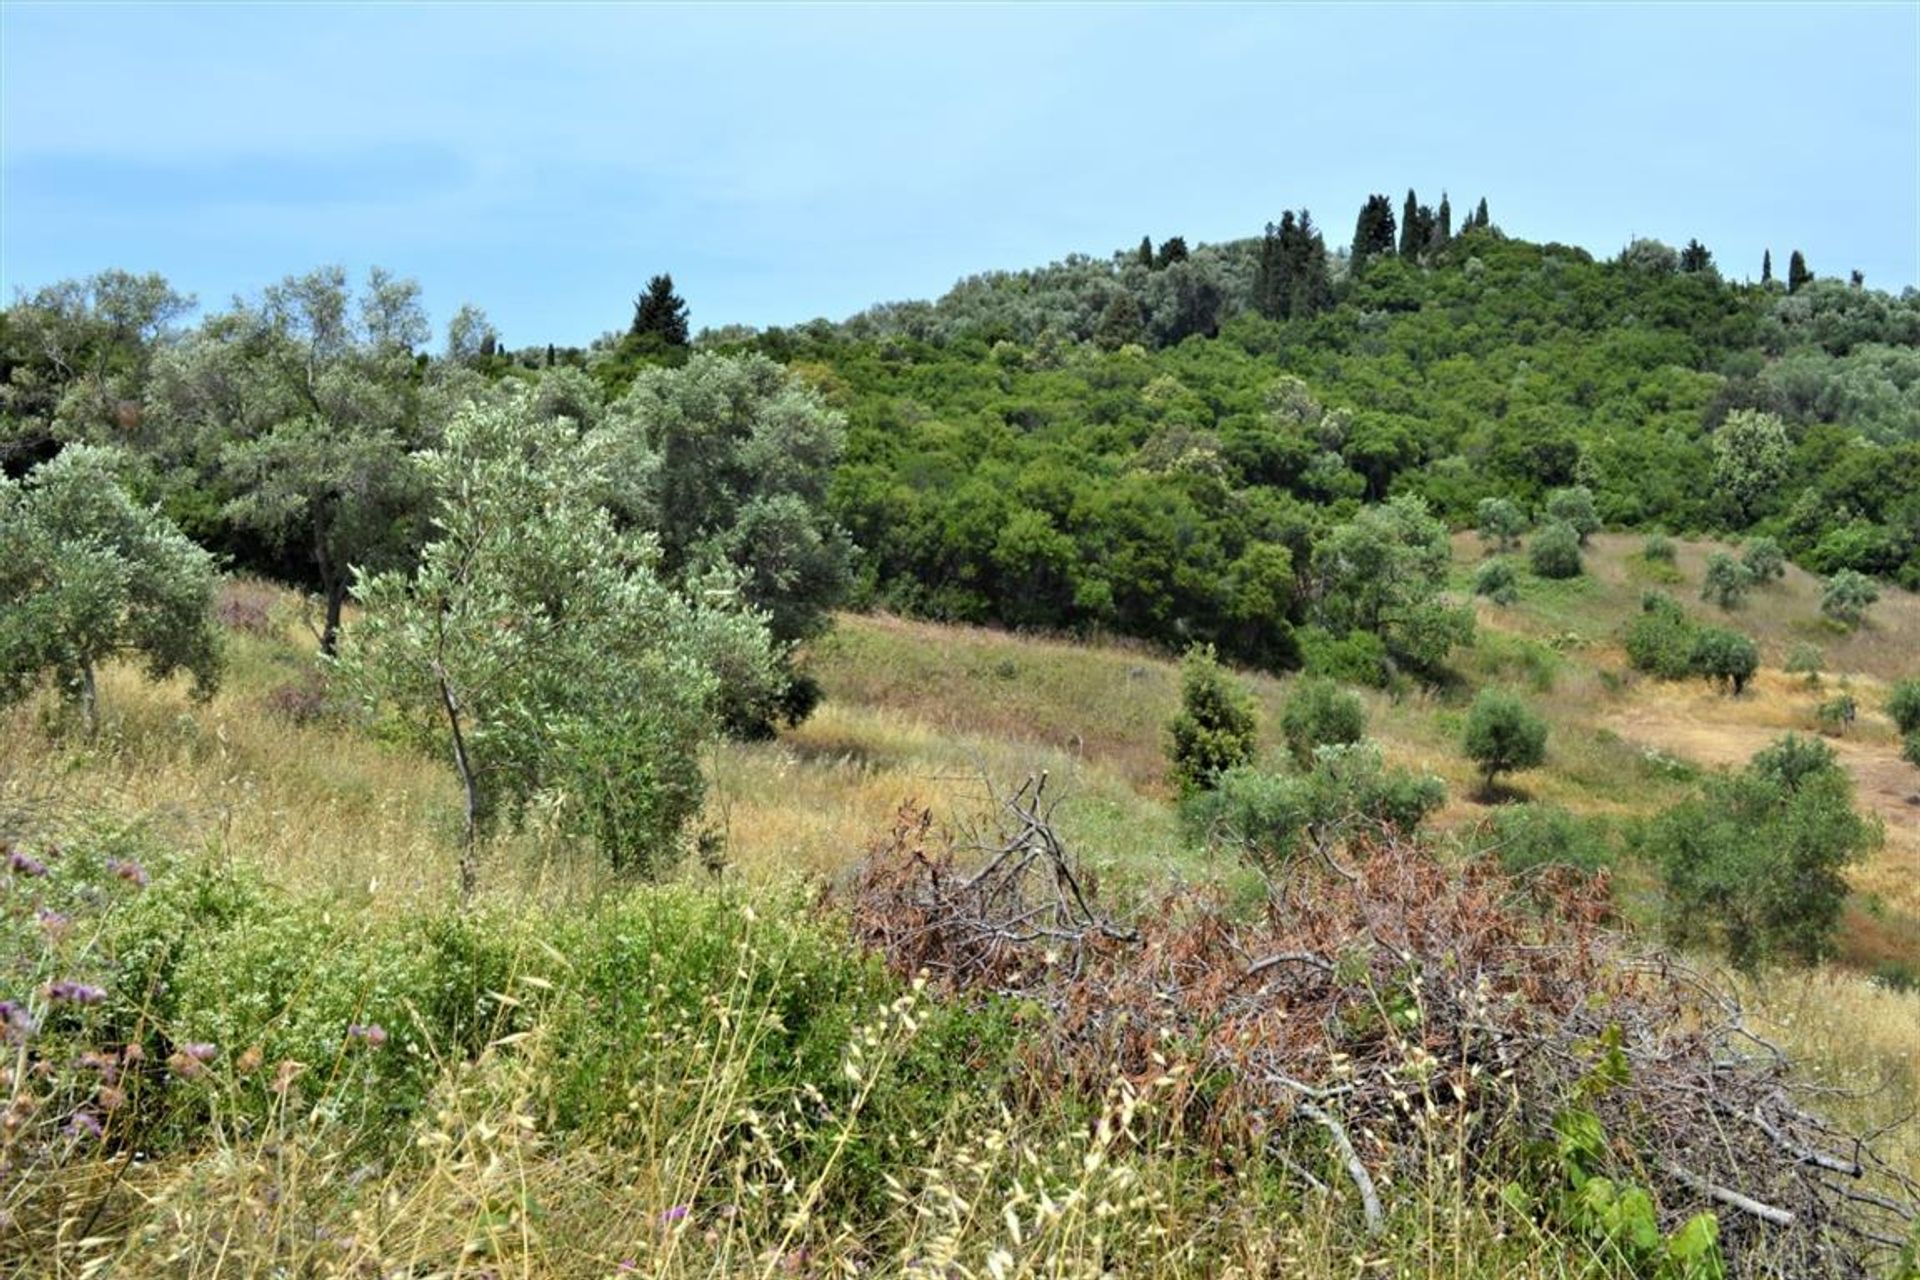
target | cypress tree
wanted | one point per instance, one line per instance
(1443, 229)
(1145, 252)
(1480, 214)
(1410, 237)
(661, 312)
(1766, 266)
(1797, 274)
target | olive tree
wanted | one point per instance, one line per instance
(1575, 508)
(729, 459)
(88, 575)
(1726, 581)
(1503, 735)
(305, 405)
(1847, 596)
(543, 649)
(1500, 523)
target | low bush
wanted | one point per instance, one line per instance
(1660, 638)
(1525, 837)
(1497, 581)
(1319, 713)
(1554, 551)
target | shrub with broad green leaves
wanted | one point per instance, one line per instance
(1724, 657)
(1756, 861)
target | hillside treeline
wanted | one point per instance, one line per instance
(1182, 444)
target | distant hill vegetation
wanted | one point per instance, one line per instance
(1178, 442)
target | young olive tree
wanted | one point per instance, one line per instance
(542, 648)
(1503, 735)
(87, 575)
(1575, 508)
(1499, 523)
(1726, 581)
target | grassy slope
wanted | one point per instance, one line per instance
(917, 713)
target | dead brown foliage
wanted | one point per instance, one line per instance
(1372, 1008)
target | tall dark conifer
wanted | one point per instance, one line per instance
(1373, 231)
(1798, 276)
(1766, 266)
(1145, 252)
(1480, 214)
(1410, 237)
(1443, 227)
(661, 312)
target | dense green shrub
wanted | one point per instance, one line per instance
(1497, 581)
(1903, 705)
(1657, 549)
(1503, 734)
(1554, 552)
(1527, 836)
(1660, 638)
(1215, 729)
(1319, 713)
(1358, 657)
(1271, 818)
(1755, 861)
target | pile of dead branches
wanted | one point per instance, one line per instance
(1379, 1007)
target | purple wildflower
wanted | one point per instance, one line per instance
(19, 861)
(83, 1124)
(15, 1021)
(130, 871)
(200, 1051)
(77, 992)
(53, 921)
(674, 1214)
(372, 1033)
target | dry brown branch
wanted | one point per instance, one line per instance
(1385, 999)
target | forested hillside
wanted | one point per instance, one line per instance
(1170, 443)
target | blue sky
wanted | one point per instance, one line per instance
(787, 162)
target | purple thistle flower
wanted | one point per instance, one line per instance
(372, 1033)
(200, 1051)
(83, 1124)
(19, 861)
(76, 992)
(52, 921)
(674, 1214)
(130, 871)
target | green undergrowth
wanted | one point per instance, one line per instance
(482, 1086)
